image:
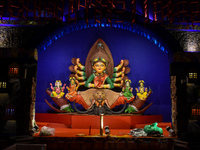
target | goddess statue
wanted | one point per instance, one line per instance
(100, 76)
(99, 73)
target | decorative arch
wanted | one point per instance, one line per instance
(142, 31)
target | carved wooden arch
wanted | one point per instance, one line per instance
(99, 50)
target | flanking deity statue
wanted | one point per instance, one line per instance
(56, 95)
(100, 77)
(127, 89)
(73, 87)
(58, 90)
(141, 91)
(141, 97)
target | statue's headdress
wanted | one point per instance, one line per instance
(99, 59)
(128, 80)
(58, 81)
(141, 81)
(72, 78)
(101, 50)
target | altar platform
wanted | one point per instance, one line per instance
(75, 131)
(77, 121)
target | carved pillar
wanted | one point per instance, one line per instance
(32, 121)
(174, 103)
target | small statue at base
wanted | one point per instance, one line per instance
(58, 90)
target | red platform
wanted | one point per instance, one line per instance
(75, 121)
(69, 127)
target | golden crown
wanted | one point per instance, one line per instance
(141, 81)
(128, 80)
(58, 81)
(99, 59)
(72, 78)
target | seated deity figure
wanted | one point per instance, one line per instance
(99, 75)
(141, 97)
(99, 78)
(58, 90)
(72, 89)
(127, 89)
(142, 91)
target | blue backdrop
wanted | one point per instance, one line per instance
(146, 60)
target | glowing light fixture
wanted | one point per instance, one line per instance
(3, 85)
(193, 75)
(195, 111)
(192, 46)
(13, 70)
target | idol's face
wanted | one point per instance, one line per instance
(127, 83)
(72, 81)
(99, 67)
(58, 84)
(141, 84)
